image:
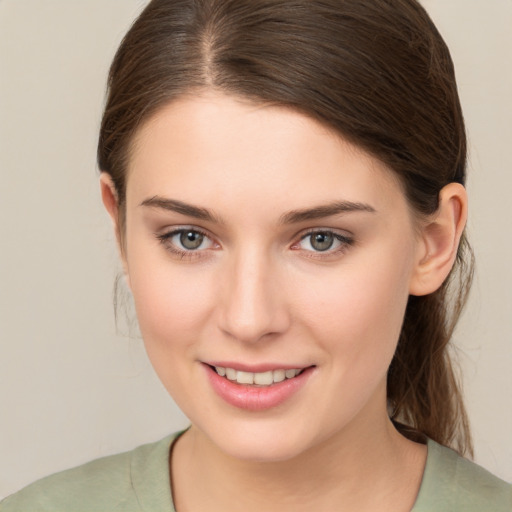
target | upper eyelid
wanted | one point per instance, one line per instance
(336, 232)
(167, 232)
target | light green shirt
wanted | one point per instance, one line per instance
(139, 481)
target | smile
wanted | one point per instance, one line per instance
(257, 378)
(257, 391)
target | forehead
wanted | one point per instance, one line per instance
(214, 148)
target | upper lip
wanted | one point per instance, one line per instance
(256, 368)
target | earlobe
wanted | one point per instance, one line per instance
(439, 241)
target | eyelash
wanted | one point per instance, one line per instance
(344, 243)
(166, 240)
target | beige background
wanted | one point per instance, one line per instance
(71, 389)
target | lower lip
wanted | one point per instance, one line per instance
(253, 398)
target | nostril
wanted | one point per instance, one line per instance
(251, 305)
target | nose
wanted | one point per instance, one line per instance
(252, 303)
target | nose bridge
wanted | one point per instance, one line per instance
(252, 306)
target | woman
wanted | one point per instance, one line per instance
(285, 180)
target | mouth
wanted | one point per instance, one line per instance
(257, 379)
(256, 390)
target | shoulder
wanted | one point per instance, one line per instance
(104, 481)
(452, 483)
(112, 483)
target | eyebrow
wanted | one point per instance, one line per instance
(327, 210)
(189, 210)
(292, 217)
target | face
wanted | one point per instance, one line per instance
(261, 247)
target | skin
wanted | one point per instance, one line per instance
(256, 291)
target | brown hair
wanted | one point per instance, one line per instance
(380, 74)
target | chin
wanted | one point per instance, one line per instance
(274, 449)
(262, 441)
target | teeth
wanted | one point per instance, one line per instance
(289, 374)
(245, 377)
(259, 379)
(263, 379)
(279, 375)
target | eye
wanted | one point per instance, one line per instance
(321, 241)
(184, 241)
(324, 241)
(190, 240)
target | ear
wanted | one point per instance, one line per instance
(439, 240)
(109, 198)
(111, 203)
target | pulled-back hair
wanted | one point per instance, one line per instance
(377, 72)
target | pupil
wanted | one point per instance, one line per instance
(322, 241)
(191, 239)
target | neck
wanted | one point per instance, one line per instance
(368, 466)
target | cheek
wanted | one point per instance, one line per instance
(172, 303)
(358, 311)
